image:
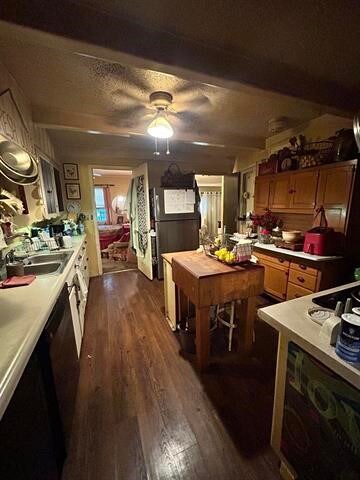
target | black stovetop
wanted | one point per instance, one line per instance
(330, 300)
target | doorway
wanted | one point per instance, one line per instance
(211, 199)
(110, 187)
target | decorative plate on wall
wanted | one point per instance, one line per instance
(73, 207)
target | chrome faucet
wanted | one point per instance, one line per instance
(10, 257)
(25, 236)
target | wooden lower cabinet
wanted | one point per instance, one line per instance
(275, 280)
(295, 291)
(286, 278)
(302, 279)
(169, 294)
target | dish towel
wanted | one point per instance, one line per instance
(82, 284)
(17, 281)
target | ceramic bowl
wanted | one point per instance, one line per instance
(291, 236)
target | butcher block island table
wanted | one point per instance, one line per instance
(208, 282)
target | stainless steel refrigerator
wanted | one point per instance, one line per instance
(177, 221)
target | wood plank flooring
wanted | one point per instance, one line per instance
(143, 412)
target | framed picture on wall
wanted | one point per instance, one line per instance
(71, 171)
(73, 191)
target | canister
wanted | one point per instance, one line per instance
(348, 342)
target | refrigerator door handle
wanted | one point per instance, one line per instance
(157, 206)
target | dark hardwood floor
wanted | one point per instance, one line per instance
(144, 413)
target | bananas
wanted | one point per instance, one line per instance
(225, 256)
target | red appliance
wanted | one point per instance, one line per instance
(321, 240)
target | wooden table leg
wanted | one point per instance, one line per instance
(182, 304)
(247, 321)
(202, 336)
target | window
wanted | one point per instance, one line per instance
(100, 202)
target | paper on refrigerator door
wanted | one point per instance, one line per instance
(179, 201)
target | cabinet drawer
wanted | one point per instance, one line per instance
(302, 279)
(295, 291)
(303, 268)
(281, 262)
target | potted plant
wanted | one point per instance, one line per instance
(265, 223)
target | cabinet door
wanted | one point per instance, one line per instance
(262, 192)
(170, 295)
(49, 188)
(334, 192)
(303, 186)
(75, 319)
(275, 280)
(280, 192)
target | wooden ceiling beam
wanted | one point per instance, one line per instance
(163, 51)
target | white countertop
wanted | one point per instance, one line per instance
(290, 319)
(306, 256)
(23, 315)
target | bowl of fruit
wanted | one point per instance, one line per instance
(226, 256)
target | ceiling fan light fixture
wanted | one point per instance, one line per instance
(160, 127)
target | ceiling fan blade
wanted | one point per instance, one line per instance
(120, 94)
(136, 78)
(126, 116)
(200, 102)
(186, 88)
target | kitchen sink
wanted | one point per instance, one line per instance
(47, 263)
(44, 268)
(62, 257)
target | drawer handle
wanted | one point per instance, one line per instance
(297, 295)
(301, 279)
(303, 267)
(281, 260)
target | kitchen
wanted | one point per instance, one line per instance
(132, 397)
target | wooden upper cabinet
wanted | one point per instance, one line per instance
(334, 191)
(303, 187)
(262, 192)
(302, 190)
(280, 193)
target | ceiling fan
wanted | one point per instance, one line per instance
(140, 96)
(163, 114)
(184, 104)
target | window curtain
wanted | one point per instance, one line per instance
(210, 208)
(108, 204)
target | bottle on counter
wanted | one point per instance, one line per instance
(348, 341)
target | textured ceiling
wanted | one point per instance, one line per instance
(120, 93)
(72, 93)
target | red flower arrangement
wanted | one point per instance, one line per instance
(266, 221)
